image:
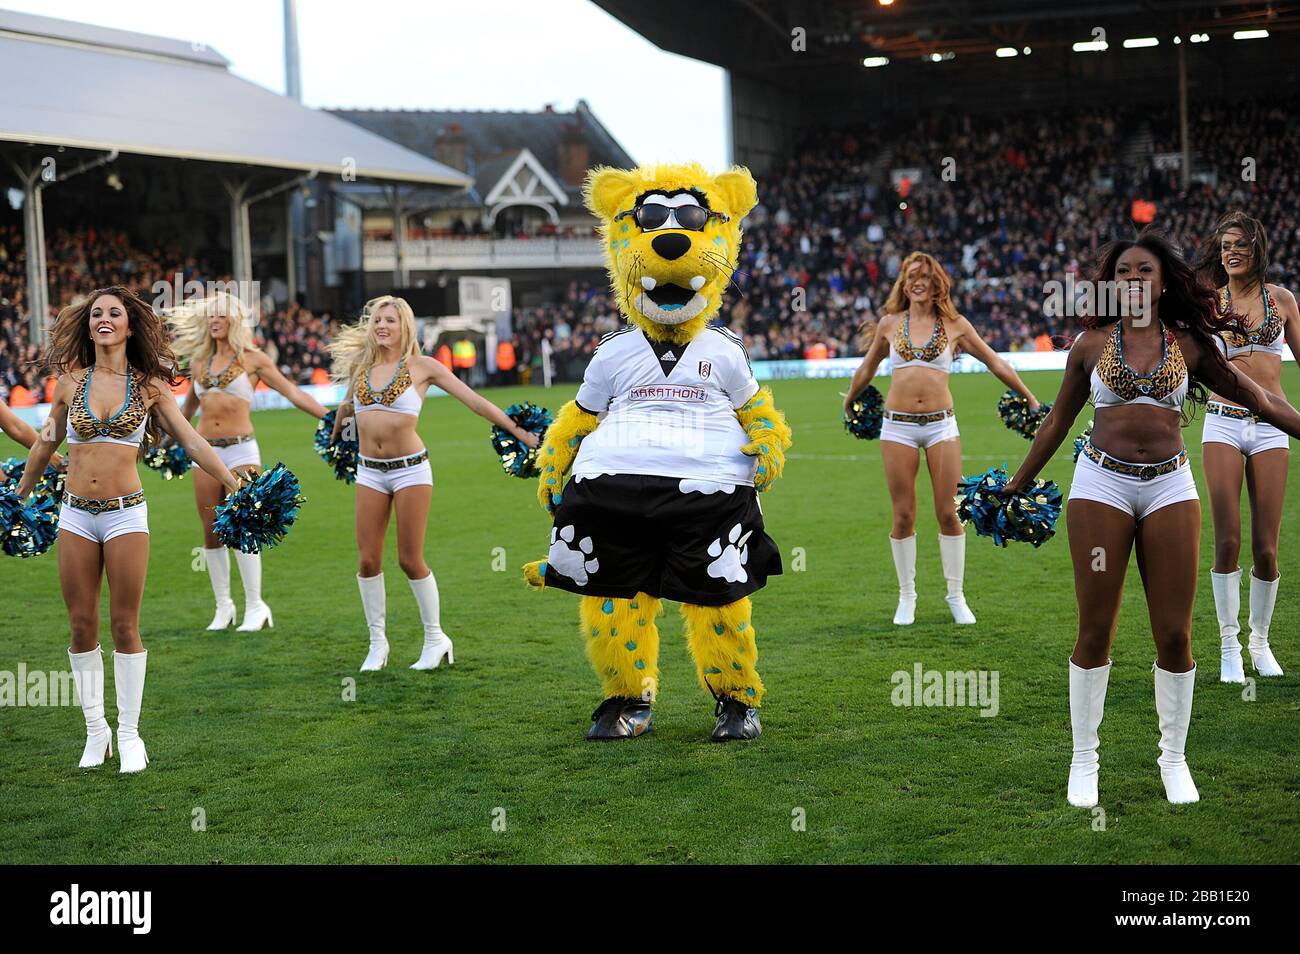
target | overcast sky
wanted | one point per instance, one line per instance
(451, 54)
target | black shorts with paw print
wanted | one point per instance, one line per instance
(617, 535)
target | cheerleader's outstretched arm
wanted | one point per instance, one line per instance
(867, 369)
(50, 437)
(268, 372)
(974, 345)
(1070, 400)
(435, 372)
(173, 421)
(1225, 379)
(16, 427)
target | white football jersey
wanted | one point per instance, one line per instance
(667, 409)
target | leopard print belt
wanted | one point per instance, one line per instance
(230, 441)
(1140, 471)
(95, 507)
(398, 464)
(930, 417)
(1230, 411)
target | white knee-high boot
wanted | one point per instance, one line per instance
(952, 554)
(375, 604)
(128, 679)
(436, 642)
(1087, 705)
(1227, 606)
(905, 567)
(256, 613)
(1263, 596)
(88, 677)
(217, 561)
(1174, 710)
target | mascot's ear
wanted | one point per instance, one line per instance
(739, 190)
(607, 189)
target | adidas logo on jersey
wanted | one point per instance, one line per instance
(668, 356)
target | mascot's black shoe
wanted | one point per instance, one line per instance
(735, 721)
(619, 717)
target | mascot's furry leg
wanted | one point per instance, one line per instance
(721, 640)
(623, 646)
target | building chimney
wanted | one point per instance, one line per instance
(574, 157)
(449, 147)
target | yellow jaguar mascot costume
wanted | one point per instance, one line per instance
(665, 446)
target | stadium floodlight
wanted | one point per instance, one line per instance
(885, 3)
(1200, 38)
(1090, 46)
(1250, 35)
(873, 61)
(941, 57)
(1004, 52)
(1137, 42)
(1026, 51)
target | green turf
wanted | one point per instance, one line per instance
(254, 730)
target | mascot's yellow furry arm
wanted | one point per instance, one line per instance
(664, 449)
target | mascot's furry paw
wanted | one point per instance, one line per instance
(535, 574)
(769, 437)
(556, 455)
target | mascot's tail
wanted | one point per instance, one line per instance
(535, 574)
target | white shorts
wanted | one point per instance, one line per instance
(390, 479)
(240, 455)
(1136, 497)
(77, 515)
(918, 430)
(1229, 424)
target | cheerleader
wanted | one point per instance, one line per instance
(1133, 486)
(214, 337)
(919, 416)
(393, 472)
(115, 369)
(23, 433)
(1236, 441)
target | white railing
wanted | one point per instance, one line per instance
(473, 253)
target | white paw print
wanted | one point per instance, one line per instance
(570, 562)
(731, 559)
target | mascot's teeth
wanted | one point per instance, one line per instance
(697, 283)
(648, 283)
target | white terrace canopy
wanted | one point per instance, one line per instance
(111, 92)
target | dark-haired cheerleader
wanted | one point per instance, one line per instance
(393, 473)
(1235, 441)
(1133, 485)
(919, 416)
(214, 337)
(115, 369)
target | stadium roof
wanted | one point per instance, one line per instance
(75, 85)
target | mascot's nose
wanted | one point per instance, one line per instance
(671, 245)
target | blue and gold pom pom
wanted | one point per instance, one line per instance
(517, 459)
(258, 515)
(982, 501)
(171, 461)
(28, 528)
(50, 484)
(1081, 441)
(341, 455)
(1018, 416)
(866, 415)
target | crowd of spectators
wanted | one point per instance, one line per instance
(1006, 203)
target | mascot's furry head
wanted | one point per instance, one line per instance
(672, 241)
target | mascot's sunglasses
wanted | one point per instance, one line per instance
(654, 215)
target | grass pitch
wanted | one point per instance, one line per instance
(255, 742)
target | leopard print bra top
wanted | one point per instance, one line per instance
(124, 427)
(935, 353)
(1266, 336)
(1115, 382)
(398, 395)
(233, 381)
